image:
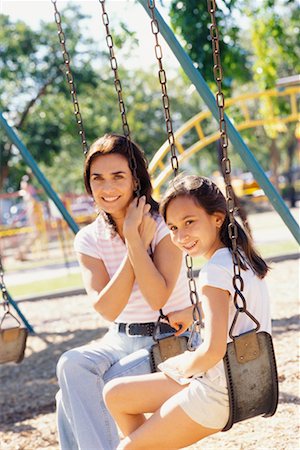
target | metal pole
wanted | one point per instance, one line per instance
(23, 318)
(234, 136)
(39, 175)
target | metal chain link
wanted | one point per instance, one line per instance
(118, 87)
(69, 76)
(197, 318)
(3, 288)
(238, 282)
(163, 83)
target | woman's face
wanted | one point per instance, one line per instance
(112, 184)
(193, 230)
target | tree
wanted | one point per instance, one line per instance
(30, 72)
(190, 20)
(35, 97)
(275, 46)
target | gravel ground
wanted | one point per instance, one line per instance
(27, 390)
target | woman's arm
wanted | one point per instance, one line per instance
(156, 277)
(109, 295)
(181, 319)
(215, 303)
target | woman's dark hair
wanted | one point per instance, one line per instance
(207, 195)
(118, 144)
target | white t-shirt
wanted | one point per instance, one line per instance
(95, 240)
(218, 272)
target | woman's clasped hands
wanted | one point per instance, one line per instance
(139, 222)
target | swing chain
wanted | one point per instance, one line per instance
(163, 83)
(197, 317)
(69, 76)
(118, 87)
(3, 288)
(226, 166)
(196, 313)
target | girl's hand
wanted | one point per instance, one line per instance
(181, 363)
(134, 216)
(181, 320)
(147, 229)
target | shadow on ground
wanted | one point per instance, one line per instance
(286, 324)
(29, 388)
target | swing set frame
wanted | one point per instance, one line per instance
(208, 97)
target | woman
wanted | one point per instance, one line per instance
(189, 398)
(130, 270)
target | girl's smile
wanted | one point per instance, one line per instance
(193, 230)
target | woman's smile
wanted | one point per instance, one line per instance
(112, 184)
(111, 199)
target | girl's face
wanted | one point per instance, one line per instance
(112, 184)
(193, 230)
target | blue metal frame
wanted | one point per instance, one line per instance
(39, 175)
(21, 315)
(48, 189)
(234, 136)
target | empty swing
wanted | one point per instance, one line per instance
(13, 334)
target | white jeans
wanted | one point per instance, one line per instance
(83, 420)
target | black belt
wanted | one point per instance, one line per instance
(144, 329)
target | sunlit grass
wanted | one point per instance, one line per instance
(61, 283)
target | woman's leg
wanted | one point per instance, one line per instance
(82, 418)
(128, 398)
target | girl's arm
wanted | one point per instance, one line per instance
(215, 304)
(109, 295)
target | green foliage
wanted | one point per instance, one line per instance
(35, 98)
(48, 128)
(275, 40)
(33, 87)
(190, 20)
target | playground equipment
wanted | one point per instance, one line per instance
(244, 107)
(13, 334)
(263, 398)
(204, 92)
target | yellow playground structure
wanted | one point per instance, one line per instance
(244, 112)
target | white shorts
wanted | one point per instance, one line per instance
(205, 401)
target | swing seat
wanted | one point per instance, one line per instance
(13, 338)
(251, 374)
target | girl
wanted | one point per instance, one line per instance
(189, 398)
(125, 285)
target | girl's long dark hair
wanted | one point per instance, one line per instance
(118, 144)
(207, 195)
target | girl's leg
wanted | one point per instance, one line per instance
(169, 428)
(128, 398)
